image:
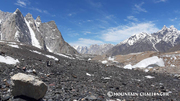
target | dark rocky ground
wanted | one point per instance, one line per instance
(67, 79)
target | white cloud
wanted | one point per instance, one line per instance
(131, 18)
(138, 8)
(89, 20)
(177, 11)
(95, 4)
(22, 3)
(36, 9)
(120, 33)
(72, 14)
(86, 42)
(54, 15)
(45, 11)
(39, 10)
(110, 17)
(73, 35)
(102, 21)
(85, 33)
(158, 1)
(25, 3)
(174, 19)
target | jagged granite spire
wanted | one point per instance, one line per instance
(38, 19)
(29, 17)
(17, 12)
(15, 29)
(26, 30)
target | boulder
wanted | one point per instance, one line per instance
(28, 85)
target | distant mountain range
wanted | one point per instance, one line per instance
(94, 49)
(165, 40)
(46, 36)
(161, 41)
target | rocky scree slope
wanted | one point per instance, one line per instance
(46, 36)
(70, 79)
(160, 41)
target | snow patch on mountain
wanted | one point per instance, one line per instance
(8, 60)
(104, 62)
(64, 55)
(152, 60)
(49, 49)
(50, 56)
(149, 77)
(34, 40)
(89, 74)
(15, 46)
(36, 52)
(146, 62)
(37, 23)
(16, 37)
(111, 58)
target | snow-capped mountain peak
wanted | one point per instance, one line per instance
(160, 41)
(81, 49)
(134, 38)
(164, 28)
(173, 29)
(141, 35)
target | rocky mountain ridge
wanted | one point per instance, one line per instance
(160, 41)
(46, 36)
(94, 49)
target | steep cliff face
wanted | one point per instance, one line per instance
(46, 36)
(3, 17)
(53, 39)
(37, 39)
(14, 28)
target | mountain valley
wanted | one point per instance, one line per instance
(147, 65)
(71, 77)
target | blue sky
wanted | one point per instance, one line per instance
(86, 22)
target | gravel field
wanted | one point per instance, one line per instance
(82, 80)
